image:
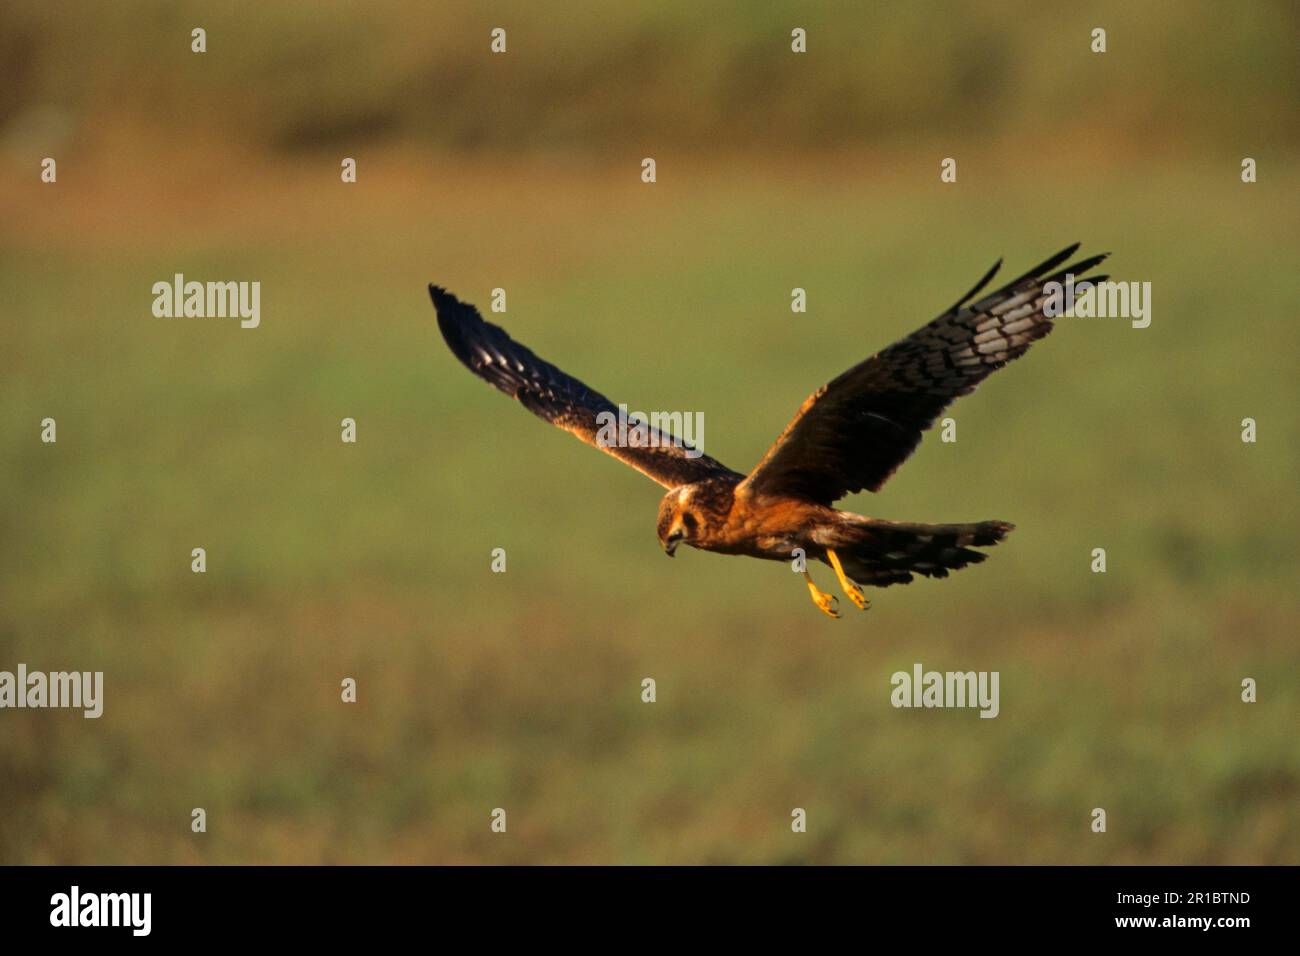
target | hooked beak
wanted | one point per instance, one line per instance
(670, 545)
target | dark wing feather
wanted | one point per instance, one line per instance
(561, 399)
(854, 432)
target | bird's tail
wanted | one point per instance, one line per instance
(890, 552)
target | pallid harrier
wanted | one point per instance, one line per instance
(850, 434)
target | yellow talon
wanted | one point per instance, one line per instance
(826, 602)
(852, 590)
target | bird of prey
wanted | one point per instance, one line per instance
(851, 434)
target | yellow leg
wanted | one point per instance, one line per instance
(823, 600)
(852, 590)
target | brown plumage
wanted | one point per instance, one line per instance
(850, 435)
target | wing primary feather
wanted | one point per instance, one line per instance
(1044, 266)
(978, 285)
(1078, 268)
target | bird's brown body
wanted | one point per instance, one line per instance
(709, 515)
(721, 515)
(850, 435)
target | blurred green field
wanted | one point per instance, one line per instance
(521, 690)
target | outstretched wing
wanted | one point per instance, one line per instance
(561, 399)
(854, 432)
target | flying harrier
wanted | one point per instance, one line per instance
(850, 434)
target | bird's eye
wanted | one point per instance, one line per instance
(688, 522)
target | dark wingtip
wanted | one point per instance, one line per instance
(457, 322)
(1079, 269)
(953, 309)
(440, 296)
(449, 308)
(1064, 254)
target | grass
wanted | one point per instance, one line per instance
(522, 690)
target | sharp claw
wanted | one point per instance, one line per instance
(826, 603)
(850, 588)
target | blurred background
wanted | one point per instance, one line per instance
(522, 690)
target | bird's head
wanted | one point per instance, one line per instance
(678, 521)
